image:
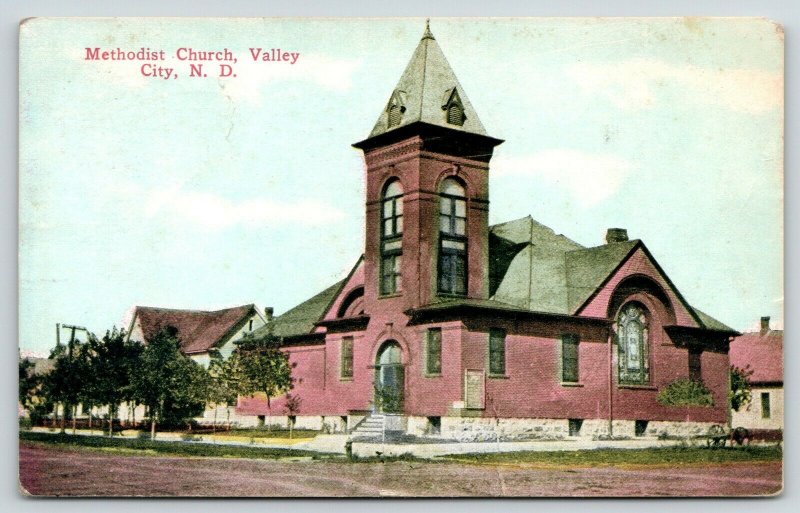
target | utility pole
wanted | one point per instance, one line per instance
(70, 349)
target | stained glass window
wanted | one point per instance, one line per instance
(632, 345)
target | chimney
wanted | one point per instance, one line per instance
(616, 235)
(269, 318)
(764, 324)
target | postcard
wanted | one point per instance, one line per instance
(401, 257)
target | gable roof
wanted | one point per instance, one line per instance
(588, 269)
(424, 88)
(709, 322)
(763, 352)
(532, 267)
(301, 319)
(198, 330)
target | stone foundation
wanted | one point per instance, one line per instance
(333, 424)
(662, 428)
(418, 426)
(477, 429)
(482, 429)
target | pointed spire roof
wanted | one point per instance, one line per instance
(425, 89)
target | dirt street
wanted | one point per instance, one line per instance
(53, 471)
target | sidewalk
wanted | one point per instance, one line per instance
(166, 436)
(335, 444)
(433, 450)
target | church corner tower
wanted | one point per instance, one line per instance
(427, 203)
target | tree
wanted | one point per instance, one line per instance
(29, 383)
(263, 367)
(188, 392)
(224, 383)
(64, 383)
(739, 394)
(113, 363)
(172, 386)
(292, 407)
(31, 396)
(88, 388)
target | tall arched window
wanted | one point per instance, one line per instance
(452, 277)
(632, 343)
(391, 237)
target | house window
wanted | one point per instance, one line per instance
(569, 359)
(497, 352)
(391, 238)
(347, 358)
(632, 345)
(765, 406)
(433, 352)
(695, 365)
(575, 427)
(640, 427)
(452, 238)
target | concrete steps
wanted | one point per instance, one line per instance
(371, 426)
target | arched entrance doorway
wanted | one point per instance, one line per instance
(389, 378)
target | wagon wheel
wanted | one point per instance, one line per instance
(716, 434)
(741, 436)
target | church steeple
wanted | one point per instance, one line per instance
(427, 198)
(428, 92)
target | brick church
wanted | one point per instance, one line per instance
(449, 326)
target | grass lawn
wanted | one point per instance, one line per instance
(264, 433)
(656, 457)
(622, 458)
(156, 448)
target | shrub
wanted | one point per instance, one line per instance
(685, 392)
(388, 399)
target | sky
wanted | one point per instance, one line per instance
(205, 193)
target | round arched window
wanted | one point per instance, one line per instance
(391, 237)
(452, 238)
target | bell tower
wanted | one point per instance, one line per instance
(427, 205)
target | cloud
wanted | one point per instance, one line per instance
(327, 72)
(214, 212)
(635, 84)
(589, 178)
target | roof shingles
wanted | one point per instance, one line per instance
(198, 331)
(530, 267)
(762, 352)
(422, 88)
